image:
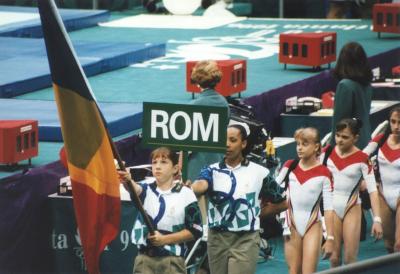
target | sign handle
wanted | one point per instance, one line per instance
(185, 158)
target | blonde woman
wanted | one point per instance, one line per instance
(306, 181)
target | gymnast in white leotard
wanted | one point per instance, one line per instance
(388, 163)
(307, 183)
(348, 165)
(304, 193)
(347, 172)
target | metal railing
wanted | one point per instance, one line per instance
(388, 264)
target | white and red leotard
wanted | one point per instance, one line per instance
(347, 173)
(304, 192)
(389, 170)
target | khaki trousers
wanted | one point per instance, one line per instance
(232, 252)
(159, 265)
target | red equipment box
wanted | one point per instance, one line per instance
(386, 18)
(328, 99)
(396, 71)
(18, 140)
(307, 49)
(233, 77)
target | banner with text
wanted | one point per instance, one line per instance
(185, 127)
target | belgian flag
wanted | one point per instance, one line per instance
(95, 183)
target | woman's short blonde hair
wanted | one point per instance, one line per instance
(308, 134)
(206, 74)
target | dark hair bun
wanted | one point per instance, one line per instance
(359, 122)
(354, 124)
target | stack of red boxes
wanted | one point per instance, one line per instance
(233, 77)
(386, 18)
(307, 49)
(18, 140)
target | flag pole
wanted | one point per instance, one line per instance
(121, 165)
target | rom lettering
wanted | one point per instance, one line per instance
(194, 127)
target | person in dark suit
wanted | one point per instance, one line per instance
(353, 92)
(206, 74)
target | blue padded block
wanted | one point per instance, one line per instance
(121, 117)
(73, 20)
(24, 65)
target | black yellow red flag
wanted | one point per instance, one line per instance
(95, 183)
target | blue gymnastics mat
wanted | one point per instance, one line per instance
(25, 21)
(121, 117)
(24, 66)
